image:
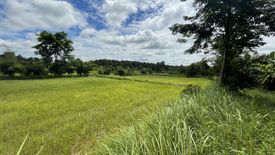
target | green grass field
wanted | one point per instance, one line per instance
(70, 115)
(164, 79)
(203, 82)
(211, 121)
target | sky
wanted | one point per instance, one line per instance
(135, 30)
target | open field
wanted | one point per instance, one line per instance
(164, 79)
(212, 121)
(203, 82)
(64, 116)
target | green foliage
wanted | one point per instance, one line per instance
(242, 72)
(7, 62)
(197, 69)
(35, 69)
(53, 47)
(130, 66)
(230, 27)
(121, 72)
(58, 68)
(267, 69)
(105, 71)
(212, 121)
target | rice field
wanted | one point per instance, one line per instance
(72, 115)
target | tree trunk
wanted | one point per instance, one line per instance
(227, 48)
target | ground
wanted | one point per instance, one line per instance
(69, 115)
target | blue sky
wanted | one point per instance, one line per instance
(112, 29)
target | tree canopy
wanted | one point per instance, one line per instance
(54, 47)
(230, 27)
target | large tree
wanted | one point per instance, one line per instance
(230, 27)
(54, 47)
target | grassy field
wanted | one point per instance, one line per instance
(65, 116)
(169, 80)
(212, 121)
(203, 82)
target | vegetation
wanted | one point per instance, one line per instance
(229, 28)
(176, 80)
(54, 48)
(104, 114)
(266, 66)
(68, 115)
(211, 121)
(11, 65)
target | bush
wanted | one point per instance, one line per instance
(58, 68)
(106, 71)
(18, 68)
(35, 70)
(144, 72)
(83, 69)
(190, 89)
(267, 69)
(10, 71)
(242, 73)
(121, 72)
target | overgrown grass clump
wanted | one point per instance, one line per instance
(211, 121)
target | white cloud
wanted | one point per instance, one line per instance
(117, 11)
(20, 46)
(145, 40)
(39, 14)
(87, 32)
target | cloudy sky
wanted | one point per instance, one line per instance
(111, 29)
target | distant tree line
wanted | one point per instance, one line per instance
(56, 59)
(12, 65)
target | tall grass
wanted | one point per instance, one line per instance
(212, 121)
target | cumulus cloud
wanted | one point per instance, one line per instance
(147, 38)
(20, 46)
(39, 14)
(117, 11)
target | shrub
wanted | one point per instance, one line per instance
(83, 69)
(58, 68)
(35, 69)
(144, 72)
(121, 72)
(107, 71)
(190, 89)
(267, 68)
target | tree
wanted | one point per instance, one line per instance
(54, 47)
(197, 69)
(7, 61)
(82, 68)
(230, 27)
(35, 69)
(267, 68)
(58, 67)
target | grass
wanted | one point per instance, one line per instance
(169, 80)
(212, 121)
(68, 116)
(173, 80)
